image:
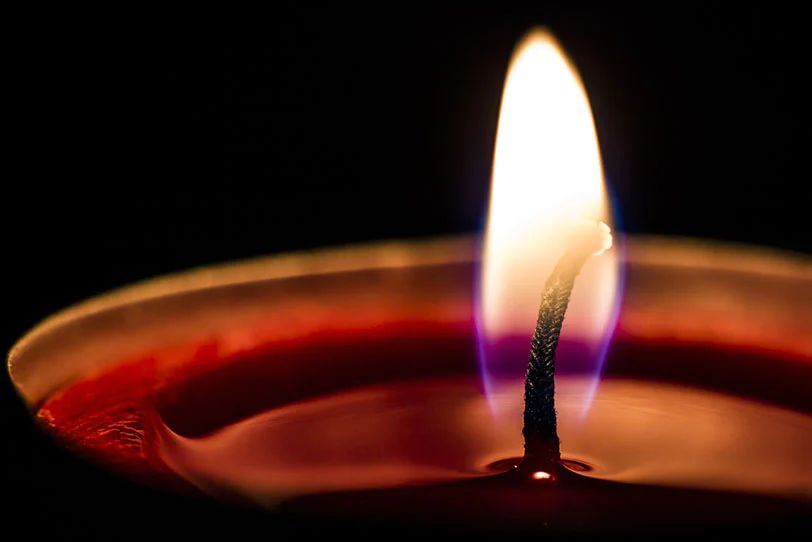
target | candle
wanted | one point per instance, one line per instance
(380, 381)
(216, 381)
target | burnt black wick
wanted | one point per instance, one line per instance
(541, 443)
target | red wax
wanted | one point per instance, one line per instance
(302, 426)
(382, 413)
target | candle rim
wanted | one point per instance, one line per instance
(645, 250)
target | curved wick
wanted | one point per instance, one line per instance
(541, 443)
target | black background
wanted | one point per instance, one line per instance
(141, 146)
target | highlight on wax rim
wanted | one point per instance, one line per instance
(414, 382)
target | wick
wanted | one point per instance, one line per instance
(541, 443)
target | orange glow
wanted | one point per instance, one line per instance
(547, 177)
(540, 475)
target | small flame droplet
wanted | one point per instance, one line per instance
(541, 475)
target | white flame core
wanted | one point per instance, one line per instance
(547, 176)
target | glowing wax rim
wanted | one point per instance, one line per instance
(653, 251)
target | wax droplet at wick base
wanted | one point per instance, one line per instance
(541, 443)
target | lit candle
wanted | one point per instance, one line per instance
(347, 382)
(547, 183)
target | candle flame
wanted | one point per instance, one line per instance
(547, 180)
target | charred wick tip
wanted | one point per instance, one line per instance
(541, 443)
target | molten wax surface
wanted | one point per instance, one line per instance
(357, 393)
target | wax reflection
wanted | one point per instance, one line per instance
(441, 430)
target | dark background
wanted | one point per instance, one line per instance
(145, 146)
